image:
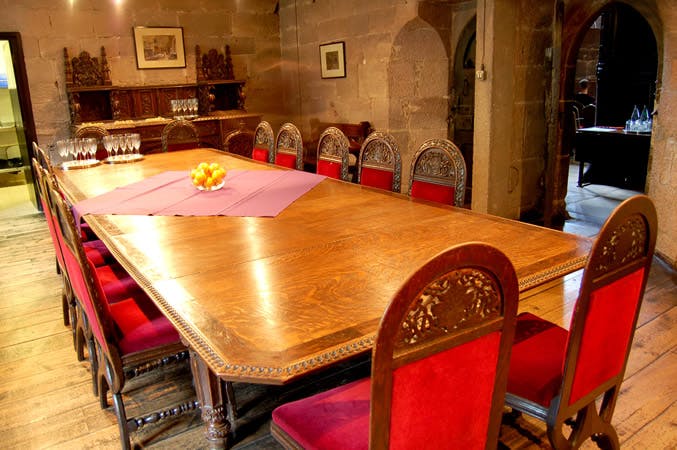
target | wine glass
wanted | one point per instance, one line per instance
(108, 144)
(136, 143)
(93, 144)
(115, 138)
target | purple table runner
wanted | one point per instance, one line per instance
(246, 193)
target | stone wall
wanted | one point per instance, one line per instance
(251, 29)
(662, 177)
(397, 67)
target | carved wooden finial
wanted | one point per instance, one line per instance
(67, 67)
(198, 64)
(105, 70)
(229, 65)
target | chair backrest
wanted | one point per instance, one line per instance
(41, 173)
(264, 143)
(380, 163)
(239, 142)
(332, 154)
(80, 272)
(93, 131)
(588, 114)
(289, 147)
(42, 158)
(605, 315)
(438, 173)
(179, 135)
(440, 360)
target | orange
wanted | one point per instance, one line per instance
(202, 166)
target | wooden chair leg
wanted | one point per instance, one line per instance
(119, 407)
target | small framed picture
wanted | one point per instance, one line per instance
(159, 47)
(333, 60)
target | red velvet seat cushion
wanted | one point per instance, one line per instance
(330, 169)
(335, 419)
(86, 232)
(141, 325)
(433, 192)
(382, 179)
(115, 283)
(285, 160)
(442, 400)
(98, 253)
(537, 358)
(260, 154)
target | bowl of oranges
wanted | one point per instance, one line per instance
(208, 177)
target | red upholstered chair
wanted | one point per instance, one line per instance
(561, 376)
(379, 163)
(96, 132)
(239, 142)
(179, 135)
(130, 336)
(332, 154)
(439, 365)
(438, 173)
(264, 143)
(289, 147)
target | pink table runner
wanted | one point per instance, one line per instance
(247, 193)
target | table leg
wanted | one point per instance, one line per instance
(211, 392)
(581, 167)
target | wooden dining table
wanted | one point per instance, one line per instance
(273, 299)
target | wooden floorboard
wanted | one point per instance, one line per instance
(46, 398)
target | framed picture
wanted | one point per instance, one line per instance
(333, 60)
(159, 47)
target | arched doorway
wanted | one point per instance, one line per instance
(625, 75)
(462, 100)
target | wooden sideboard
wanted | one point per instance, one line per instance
(212, 129)
(95, 101)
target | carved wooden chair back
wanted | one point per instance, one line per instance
(239, 142)
(573, 370)
(332, 154)
(380, 163)
(264, 143)
(43, 158)
(129, 337)
(438, 173)
(179, 135)
(66, 295)
(439, 364)
(289, 147)
(93, 131)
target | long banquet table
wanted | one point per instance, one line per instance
(270, 300)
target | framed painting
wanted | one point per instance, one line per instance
(159, 47)
(333, 60)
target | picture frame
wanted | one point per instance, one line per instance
(333, 60)
(159, 47)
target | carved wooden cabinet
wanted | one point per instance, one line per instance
(147, 109)
(92, 97)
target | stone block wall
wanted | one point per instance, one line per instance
(250, 28)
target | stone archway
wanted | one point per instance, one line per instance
(418, 71)
(576, 21)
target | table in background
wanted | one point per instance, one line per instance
(269, 300)
(616, 158)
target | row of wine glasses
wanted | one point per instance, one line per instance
(184, 108)
(122, 146)
(77, 149)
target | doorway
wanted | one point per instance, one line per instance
(462, 101)
(17, 130)
(616, 51)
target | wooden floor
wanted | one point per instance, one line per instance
(46, 398)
